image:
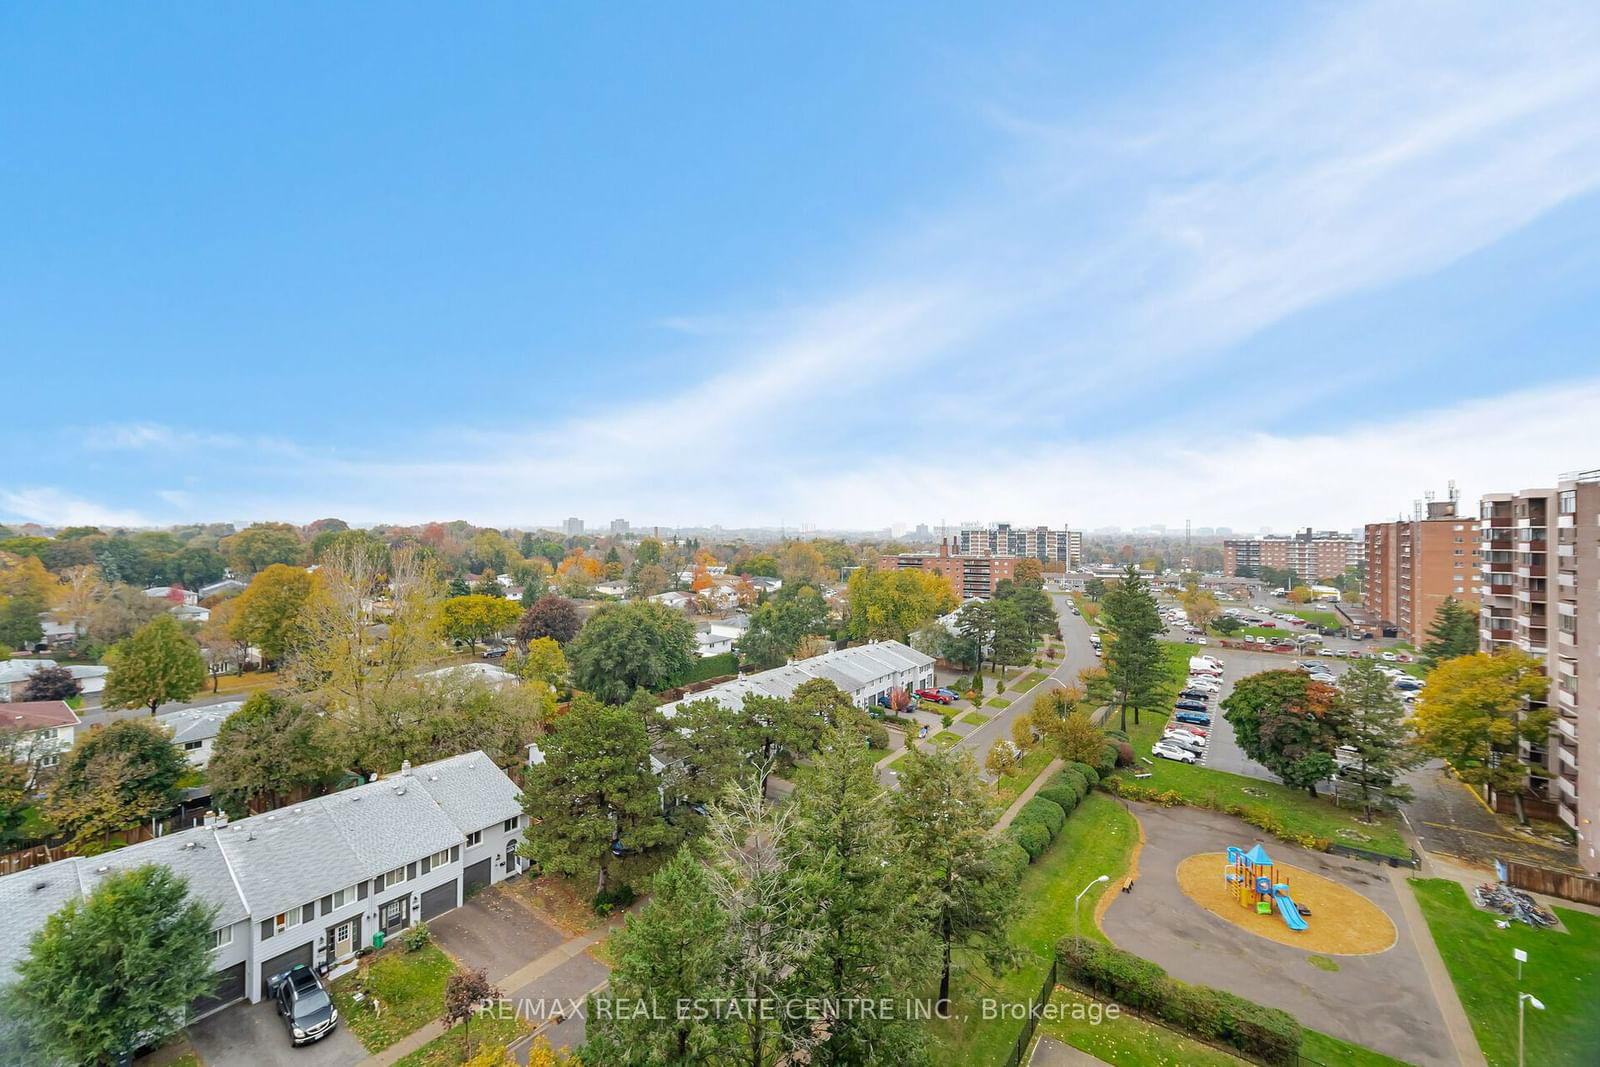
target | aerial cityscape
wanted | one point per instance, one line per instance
(832, 535)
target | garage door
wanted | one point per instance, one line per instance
(439, 899)
(228, 987)
(477, 876)
(279, 964)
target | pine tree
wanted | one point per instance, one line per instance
(1378, 731)
(1132, 653)
(1454, 632)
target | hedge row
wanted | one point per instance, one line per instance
(1257, 1031)
(1090, 775)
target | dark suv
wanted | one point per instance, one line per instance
(306, 1009)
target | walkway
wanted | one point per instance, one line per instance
(1450, 819)
(1444, 990)
(1034, 786)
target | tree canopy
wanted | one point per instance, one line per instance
(269, 610)
(890, 604)
(1453, 632)
(1289, 724)
(624, 647)
(158, 664)
(116, 777)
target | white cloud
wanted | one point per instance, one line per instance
(55, 506)
(140, 436)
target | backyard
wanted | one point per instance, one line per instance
(1563, 971)
(409, 987)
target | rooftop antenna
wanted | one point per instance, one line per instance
(1455, 494)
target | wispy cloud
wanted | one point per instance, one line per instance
(56, 506)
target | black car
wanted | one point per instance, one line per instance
(303, 1003)
(1191, 705)
(1195, 694)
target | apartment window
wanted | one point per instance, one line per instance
(394, 877)
(192, 746)
(222, 937)
(474, 838)
(1569, 624)
(288, 920)
(342, 897)
(511, 823)
(1568, 502)
(438, 859)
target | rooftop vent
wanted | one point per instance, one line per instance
(102, 869)
(399, 790)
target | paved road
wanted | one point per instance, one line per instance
(1448, 819)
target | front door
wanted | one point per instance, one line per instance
(392, 916)
(511, 858)
(344, 939)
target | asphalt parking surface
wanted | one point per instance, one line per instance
(252, 1035)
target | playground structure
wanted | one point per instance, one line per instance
(1252, 878)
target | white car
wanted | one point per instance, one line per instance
(1390, 657)
(1182, 736)
(1168, 750)
(1204, 681)
(1200, 641)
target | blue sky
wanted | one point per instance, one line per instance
(845, 265)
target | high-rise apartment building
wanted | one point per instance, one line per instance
(1039, 542)
(619, 526)
(969, 575)
(573, 526)
(1413, 565)
(1541, 593)
(1311, 555)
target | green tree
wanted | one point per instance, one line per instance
(1378, 731)
(1013, 636)
(673, 951)
(624, 647)
(1289, 724)
(115, 778)
(1133, 661)
(593, 794)
(1227, 626)
(1454, 632)
(942, 816)
(267, 752)
(120, 612)
(257, 547)
(545, 662)
(855, 877)
(975, 624)
(269, 610)
(890, 604)
(476, 617)
(159, 663)
(779, 626)
(19, 621)
(1475, 710)
(1094, 588)
(114, 971)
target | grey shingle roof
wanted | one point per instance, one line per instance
(192, 854)
(848, 668)
(27, 899)
(471, 790)
(289, 856)
(391, 822)
(198, 724)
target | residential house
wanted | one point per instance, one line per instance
(175, 593)
(865, 673)
(226, 586)
(14, 675)
(616, 589)
(195, 729)
(315, 882)
(717, 636)
(47, 727)
(490, 674)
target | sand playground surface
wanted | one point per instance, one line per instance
(1341, 922)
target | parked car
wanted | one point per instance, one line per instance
(951, 693)
(1168, 750)
(1390, 657)
(1191, 705)
(1187, 742)
(1352, 772)
(303, 1004)
(498, 652)
(1196, 693)
(1195, 717)
(938, 696)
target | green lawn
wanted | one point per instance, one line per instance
(1325, 1048)
(1125, 1041)
(1031, 680)
(1318, 618)
(1563, 971)
(408, 985)
(999, 702)
(1010, 786)
(946, 737)
(976, 718)
(487, 1029)
(1097, 839)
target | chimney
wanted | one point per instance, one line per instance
(405, 768)
(944, 548)
(210, 819)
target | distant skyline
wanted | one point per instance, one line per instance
(827, 266)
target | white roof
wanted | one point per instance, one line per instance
(850, 669)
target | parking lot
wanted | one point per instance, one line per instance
(254, 1034)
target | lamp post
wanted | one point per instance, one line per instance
(1075, 925)
(1523, 999)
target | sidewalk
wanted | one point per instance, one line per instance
(1034, 786)
(1444, 990)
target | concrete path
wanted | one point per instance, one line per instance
(1444, 990)
(1027, 794)
(1048, 1052)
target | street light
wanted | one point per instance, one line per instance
(1524, 998)
(1091, 885)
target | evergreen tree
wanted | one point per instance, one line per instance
(1132, 653)
(942, 816)
(1378, 731)
(1454, 632)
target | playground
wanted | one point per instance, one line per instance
(1286, 904)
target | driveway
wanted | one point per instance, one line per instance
(252, 1035)
(495, 931)
(1448, 819)
(1383, 1001)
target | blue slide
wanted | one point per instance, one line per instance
(1290, 913)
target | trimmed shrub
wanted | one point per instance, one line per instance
(1091, 777)
(1125, 757)
(416, 938)
(1011, 858)
(1117, 735)
(1108, 759)
(1047, 812)
(1077, 779)
(1259, 1032)
(1033, 837)
(1061, 794)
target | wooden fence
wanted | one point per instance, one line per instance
(1553, 883)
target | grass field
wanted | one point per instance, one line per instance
(1563, 971)
(489, 1029)
(976, 718)
(1010, 786)
(1097, 839)
(1125, 1041)
(409, 985)
(1031, 680)
(1324, 1048)
(1318, 618)
(999, 702)
(946, 738)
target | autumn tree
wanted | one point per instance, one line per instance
(267, 752)
(269, 609)
(651, 579)
(942, 814)
(115, 778)
(112, 972)
(51, 683)
(261, 546)
(1289, 724)
(624, 647)
(1454, 632)
(891, 604)
(158, 664)
(544, 661)
(1474, 711)
(1029, 573)
(432, 718)
(119, 612)
(476, 617)
(1300, 594)
(802, 564)
(592, 803)
(76, 596)
(550, 616)
(465, 991)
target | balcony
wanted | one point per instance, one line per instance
(1569, 788)
(1532, 570)
(1498, 522)
(1566, 698)
(1568, 729)
(1568, 816)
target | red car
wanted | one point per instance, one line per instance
(935, 696)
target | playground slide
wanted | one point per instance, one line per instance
(1290, 913)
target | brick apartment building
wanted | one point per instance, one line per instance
(1547, 603)
(1038, 542)
(968, 575)
(1413, 565)
(1312, 556)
